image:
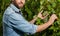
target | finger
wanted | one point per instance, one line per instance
(56, 18)
(41, 11)
(47, 14)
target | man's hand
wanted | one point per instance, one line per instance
(47, 24)
(52, 18)
(41, 16)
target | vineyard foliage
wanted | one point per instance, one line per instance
(32, 8)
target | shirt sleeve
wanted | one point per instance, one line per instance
(18, 22)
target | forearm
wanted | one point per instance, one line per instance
(33, 21)
(46, 25)
(43, 27)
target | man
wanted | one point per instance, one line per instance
(14, 23)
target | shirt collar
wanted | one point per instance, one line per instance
(14, 8)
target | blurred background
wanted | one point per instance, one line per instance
(31, 9)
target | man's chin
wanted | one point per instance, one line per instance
(20, 6)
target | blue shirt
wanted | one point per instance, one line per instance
(14, 24)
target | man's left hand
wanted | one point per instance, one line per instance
(41, 16)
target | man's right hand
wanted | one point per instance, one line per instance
(47, 24)
(53, 18)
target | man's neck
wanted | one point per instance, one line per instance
(15, 5)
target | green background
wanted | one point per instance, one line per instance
(31, 9)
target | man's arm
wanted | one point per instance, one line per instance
(33, 20)
(46, 25)
(43, 27)
(40, 16)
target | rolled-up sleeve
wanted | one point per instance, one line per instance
(18, 22)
